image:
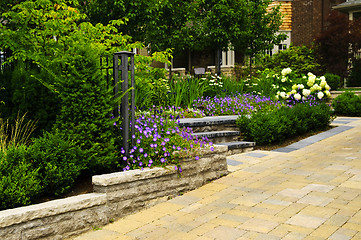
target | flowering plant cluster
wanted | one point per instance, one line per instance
(235, 105)
(303, 89)
(214, 84)
(159, 141)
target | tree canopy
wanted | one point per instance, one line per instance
(244, 25)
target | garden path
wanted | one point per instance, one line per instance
(309, 190)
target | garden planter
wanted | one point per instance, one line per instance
(115, 195)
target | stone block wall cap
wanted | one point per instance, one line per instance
(201, 151)
(130, 176)
(23, 214)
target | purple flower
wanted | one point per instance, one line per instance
(125, 158)
(141, 150)
(197, 158)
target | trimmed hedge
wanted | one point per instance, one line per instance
(347, 104)
(272, 127)
(48, 167)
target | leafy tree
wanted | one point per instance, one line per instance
(338, 43)
(262, 28)
(136, 14)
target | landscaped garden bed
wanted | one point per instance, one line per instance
(60, 85)
(115, 195)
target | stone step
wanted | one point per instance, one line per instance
(208, 124)
(238, 147)
(219, 136)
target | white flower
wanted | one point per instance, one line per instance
(293, 92)
(306, 92)
(320, 95)
(315, 87)
(297, 96)
(327, 87)
(310, 83)
(311, 77)
(328, 94)
(283, 79)
(283, 95)
(294, 87)
(322, 78)
(277, 97)
(300, 86)
(323, 83)
(286, 71)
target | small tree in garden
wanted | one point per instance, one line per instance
(338, 44)
(262, 28)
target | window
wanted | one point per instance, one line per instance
(282, 47)
(269, 52)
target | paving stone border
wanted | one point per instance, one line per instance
(115, 195)
(313, 139)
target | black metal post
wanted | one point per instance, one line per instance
(124, 67)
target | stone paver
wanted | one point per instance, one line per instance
(310, 190)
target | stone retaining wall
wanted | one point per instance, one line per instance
(335, 94)
(115, 195)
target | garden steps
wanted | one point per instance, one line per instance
(221, 130)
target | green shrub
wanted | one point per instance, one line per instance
(333, 80)
(276, 126)
(301, 59)
(59, 162)
(86, 104)
(19, 181)
(347, 104)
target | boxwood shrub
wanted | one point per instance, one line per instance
(46, 168)
(20, 183)
(271, 127)
(347, 104)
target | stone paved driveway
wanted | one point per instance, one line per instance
(311, 190)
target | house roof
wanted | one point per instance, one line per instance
(350, 5)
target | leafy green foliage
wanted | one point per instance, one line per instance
(59, 162)
(301, 59)
(183, 91)
(263, 26)
(22, 94)
(19, 180)
(271, 127)
(86, 107)
(347, 104)
(151, 86)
